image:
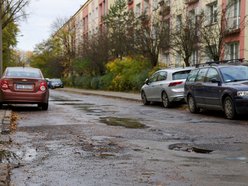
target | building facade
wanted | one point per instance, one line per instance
(88, 21)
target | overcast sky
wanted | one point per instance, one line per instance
(42, 14)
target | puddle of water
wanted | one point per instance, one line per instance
(241, 158)
(124, 122)
(64, 100)
(68, 103)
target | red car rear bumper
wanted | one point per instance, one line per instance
(7, 96)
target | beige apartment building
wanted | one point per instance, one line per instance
(88, 20)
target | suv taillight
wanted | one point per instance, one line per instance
(4, 84)
(43, 86)
(172, 84)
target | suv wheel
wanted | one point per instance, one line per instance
(229, 108)
(165, 100)
(144, 100)
(192, 105)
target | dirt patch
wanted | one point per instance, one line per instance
(13, 123)
(124, 122)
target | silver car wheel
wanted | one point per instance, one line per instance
(229, 108)
(165, 100)
(144, 99)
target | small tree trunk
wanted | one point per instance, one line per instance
(186, 61)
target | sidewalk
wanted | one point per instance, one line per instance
(110, 94)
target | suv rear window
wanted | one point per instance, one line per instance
(180, 75)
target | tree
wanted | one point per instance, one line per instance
(184, 35)
(45, 57)
(10, 12)
(151, 36)
(94, 54)
(9, 42)
(64, 41)
(119, 23)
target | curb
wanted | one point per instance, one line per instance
(108, 94)
(5, 121)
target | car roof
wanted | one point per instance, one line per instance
(176, 69)
(219, 66)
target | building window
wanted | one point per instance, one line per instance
(192, 14)
(212, 13)
(233, 14)
(179, 22)
(146, 6)
(138, 10)
(167, 58)
(232, 50)
(194, 58)
(155, 5)
(178, 59)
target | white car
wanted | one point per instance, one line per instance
(165, 86)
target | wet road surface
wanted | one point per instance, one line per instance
(92, 140)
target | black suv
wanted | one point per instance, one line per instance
(218, 86)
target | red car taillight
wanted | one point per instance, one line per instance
(172, 84)
(4, 84)
(43, 86)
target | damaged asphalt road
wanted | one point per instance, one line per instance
(93, 140)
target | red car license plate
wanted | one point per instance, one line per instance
(24, 87)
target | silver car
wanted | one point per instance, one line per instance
(165, 86)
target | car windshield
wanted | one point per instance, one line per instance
(56, 80)
(234, 73)
(180, 75)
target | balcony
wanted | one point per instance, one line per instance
(232, 31)
(189, 2)
(233, 26)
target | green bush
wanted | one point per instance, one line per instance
(105, 81)
(83, 82)
(128, 74)
(94, 84)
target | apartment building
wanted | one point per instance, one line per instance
(88, 21)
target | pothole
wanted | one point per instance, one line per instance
(124, 122)
(189, 148)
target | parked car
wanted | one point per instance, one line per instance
(218, 87)
(166, 86)
(55, 83)
(24, 85)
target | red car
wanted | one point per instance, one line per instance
(24, 85)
